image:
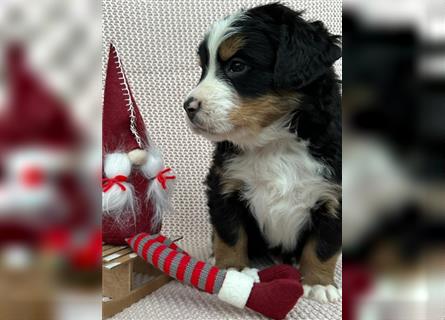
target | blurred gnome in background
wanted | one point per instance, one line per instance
(44, 204)
(135, 184)
(39, 142)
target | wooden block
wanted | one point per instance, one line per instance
(119, 290)
(27, 293)
(140, 266)
(116, 282)
(117, 254)
(111, 307)
(120, 260)
(111, 250)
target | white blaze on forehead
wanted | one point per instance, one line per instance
(217, 96)
(219, 32)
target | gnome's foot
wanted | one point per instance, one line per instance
(279, 271)
(322, 294)
(276, 298)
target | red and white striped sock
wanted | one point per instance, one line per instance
(165, 255)
(157, 237)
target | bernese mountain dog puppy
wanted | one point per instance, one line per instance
(270, 99)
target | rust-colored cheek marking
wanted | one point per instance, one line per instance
(257, 113)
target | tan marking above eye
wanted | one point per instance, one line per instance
(230, 46)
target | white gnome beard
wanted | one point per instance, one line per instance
(159, 198)
(115, 201)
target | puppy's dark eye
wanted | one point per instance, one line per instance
(236, 66)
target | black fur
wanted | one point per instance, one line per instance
(283, 53)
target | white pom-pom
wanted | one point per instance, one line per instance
(137, 156)
(120, 197)
(117, 164)
(153, 164)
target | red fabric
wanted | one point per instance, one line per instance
(211, 279)
(175, 247)
(162, 178)
(35, 115)
(108, 183)
(156, 255)
(33, 177)
(196, 273)
(146, 247)
(138, 240)
(82, 255)
(279, 271)
(57, 239)
(168, 261)
(89, 255)
(276, 298)
(181, 268)
(116, 132)
(357, 282)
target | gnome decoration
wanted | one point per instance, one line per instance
(135, 184)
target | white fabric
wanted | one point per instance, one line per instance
(236, 288)
(252, 272)
(157, 42)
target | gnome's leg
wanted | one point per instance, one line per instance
(134, 241)
(273, 299)
(178, 265)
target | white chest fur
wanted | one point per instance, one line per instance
(281, 182)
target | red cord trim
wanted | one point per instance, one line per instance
(107, 183)
(162, 178)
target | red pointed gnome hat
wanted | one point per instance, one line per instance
(123, 128)
(35, 115)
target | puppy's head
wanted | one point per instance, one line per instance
(253, 65)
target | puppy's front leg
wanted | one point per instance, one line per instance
(318, 274)
(231, 255)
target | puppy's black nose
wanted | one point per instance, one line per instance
(192, 106)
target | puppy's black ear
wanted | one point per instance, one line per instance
(305, 52)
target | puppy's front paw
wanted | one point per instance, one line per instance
(322, 294)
